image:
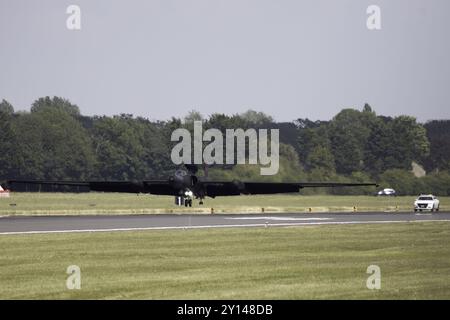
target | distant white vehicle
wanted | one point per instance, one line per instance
(426, 202)
(386, 192)
(4, 193)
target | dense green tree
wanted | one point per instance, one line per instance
(403, 182)
(321, 158)
(361, 140)
(438, 134)
(6, 139)
(256, 118)
(192, 116)
(437, 183)
(348, 135)
(311, 134)
(129, 148)
(117, 147)
(289, 169)
(58, 103)
(409, 140)
(52, 145)
(379, 151)
(6, 107)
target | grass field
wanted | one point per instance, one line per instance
(98, 203)
(318, 262)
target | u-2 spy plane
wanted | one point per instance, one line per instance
(184, 185)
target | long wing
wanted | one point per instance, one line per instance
(164, 187)
(226, 188)
(159, 187)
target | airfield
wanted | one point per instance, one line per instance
(237, 252)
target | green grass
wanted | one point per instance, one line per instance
(320, 262)
(98, 203)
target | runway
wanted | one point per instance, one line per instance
(110, 223)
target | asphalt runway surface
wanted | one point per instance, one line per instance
(105, 223)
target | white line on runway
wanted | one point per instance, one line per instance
(278, 218)
(215, 226)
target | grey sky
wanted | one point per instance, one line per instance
(288, 58)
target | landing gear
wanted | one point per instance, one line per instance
(180, 201)
(185, 199)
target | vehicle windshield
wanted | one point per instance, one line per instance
(425, 198)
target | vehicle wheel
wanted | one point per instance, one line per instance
(420, 210)
(415, 210)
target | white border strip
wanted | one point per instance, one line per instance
(215, 226)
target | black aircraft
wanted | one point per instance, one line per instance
(183, 185)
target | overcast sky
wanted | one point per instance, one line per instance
(288, 58)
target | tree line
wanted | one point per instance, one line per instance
(55, 141)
